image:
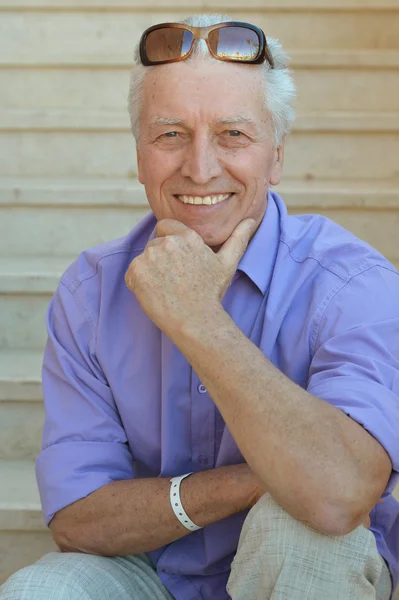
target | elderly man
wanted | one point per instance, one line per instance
(221, 385)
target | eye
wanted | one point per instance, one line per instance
(234, 133)
(171, 134)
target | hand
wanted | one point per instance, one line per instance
(179, 279)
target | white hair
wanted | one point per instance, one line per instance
(278, 84)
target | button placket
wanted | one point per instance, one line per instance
(202, 425)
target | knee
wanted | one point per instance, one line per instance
(268, 517)
(268, 521)
(54, 576)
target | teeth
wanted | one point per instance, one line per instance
(207, 200)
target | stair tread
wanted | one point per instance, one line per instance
(339, 5)
(115, 120)
(19, 365)
(383, 59)
(20, 490)
(20, 507)
(129, 192)
(34, 275)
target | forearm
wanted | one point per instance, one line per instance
(310, 456)
(135, 516)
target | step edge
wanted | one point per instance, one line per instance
(117, 120)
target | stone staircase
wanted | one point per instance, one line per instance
(68, 175)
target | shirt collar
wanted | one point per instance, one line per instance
(260, 256)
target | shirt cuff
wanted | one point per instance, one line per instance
(69, 471)
(372, 405)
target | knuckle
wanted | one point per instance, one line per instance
(170, 243)
(190, 236)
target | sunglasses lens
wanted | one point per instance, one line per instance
(168, 43)
(237, 43)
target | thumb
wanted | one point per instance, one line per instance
(234, 247)
(170, 227)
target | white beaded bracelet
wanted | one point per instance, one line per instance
(177, 505)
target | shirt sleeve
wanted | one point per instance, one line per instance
(355, 364)
(84, 444)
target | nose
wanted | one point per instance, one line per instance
(201, 163)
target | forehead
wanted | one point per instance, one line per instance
(210, 90)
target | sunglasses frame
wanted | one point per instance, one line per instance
(202, 33)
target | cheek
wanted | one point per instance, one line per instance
(156, 168)
(252, 166)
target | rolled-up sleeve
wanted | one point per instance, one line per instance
(84, 444)
(355, 364)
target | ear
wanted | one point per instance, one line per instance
(139, 166)
(278, 162)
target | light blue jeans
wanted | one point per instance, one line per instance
(278, 558)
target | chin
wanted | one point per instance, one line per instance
(213, 241)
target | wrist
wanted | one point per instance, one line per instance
(200, 328)
(213, 495)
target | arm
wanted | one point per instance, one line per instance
(135, 516)
(85, 470)
(322, 466)
(319, 464)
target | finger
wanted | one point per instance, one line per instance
(155, 242)
(233, 249)
(170, 227)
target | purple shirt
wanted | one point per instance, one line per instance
(122, 401)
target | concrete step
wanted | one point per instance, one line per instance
(116, 120)
(105, 89)
(202, 5)
(52, 230)
(27, 283)
(23, 535)
(20, 377)
(311, 153)
(303, 59)
(26, 286)
(21, 404)
(60, 218)
(119, 193)
(71, 35)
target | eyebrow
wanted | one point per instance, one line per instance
(162, 121)
(222, 121)
(239, 119)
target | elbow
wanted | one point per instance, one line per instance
(329, 522)
(63, 540)
(334, 524)
(340, 518)
(67, 538)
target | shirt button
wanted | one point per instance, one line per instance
(202, 389)
(202, 459)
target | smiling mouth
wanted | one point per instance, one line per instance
(204, 200)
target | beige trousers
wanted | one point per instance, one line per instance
(280, 558)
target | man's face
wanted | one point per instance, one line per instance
(206, 136)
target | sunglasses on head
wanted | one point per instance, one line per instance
(232, 41)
